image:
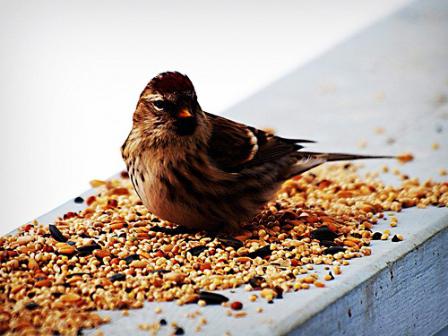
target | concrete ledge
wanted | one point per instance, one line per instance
(405, 294)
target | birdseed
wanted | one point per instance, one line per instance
(114, 254)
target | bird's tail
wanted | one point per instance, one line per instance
(308, 160)
(343, 156)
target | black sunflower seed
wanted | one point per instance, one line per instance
(76, 274)
(197, 250)
(31, 306)
(232, 242)
(377, 236)
(256, 282)
(212, 298)
(131, 258)
(87, 250)
(279, 292)
(117, 277)
(261, 252)
(323, 233)
(327, 243)
(395, 239)
(79, 200)
(334, 250)
(179, 331)
(56, 234)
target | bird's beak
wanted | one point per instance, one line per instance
(184, 113)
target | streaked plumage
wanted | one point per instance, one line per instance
(204, 171)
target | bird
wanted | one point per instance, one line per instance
(202, 171)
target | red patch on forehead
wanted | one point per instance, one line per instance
(171, 82)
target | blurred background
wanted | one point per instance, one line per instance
(72, 71)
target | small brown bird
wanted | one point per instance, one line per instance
(203, 171)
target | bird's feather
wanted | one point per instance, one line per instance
(234, 146)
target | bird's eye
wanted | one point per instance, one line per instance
(160, 104)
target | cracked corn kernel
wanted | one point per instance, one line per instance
(240, 314)
(337, 270)
(253, 298)
(319, 284)
(328, 277)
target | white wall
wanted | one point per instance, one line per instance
(71, 72)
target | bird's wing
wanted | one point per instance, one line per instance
(234, 146)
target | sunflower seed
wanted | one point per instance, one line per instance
(212, 298)
(334, 250)
(117, 277)
(197, 250)
(87, 250)
(377, 236)
(131, 258)
(256, 282)
(56, 234)
(323, 233)
(232, 242)
(261, 252)
(32, 306)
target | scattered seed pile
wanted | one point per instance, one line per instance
(116, 255)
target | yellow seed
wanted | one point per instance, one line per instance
(32, 264)
(67, 250)
(304, 286)
(97, 183)
(309, 280)
(268, 294)
(366, 251)
(139, 264)
(70, 298)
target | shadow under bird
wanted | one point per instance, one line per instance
(203, 171)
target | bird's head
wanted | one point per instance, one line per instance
(168, 105)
